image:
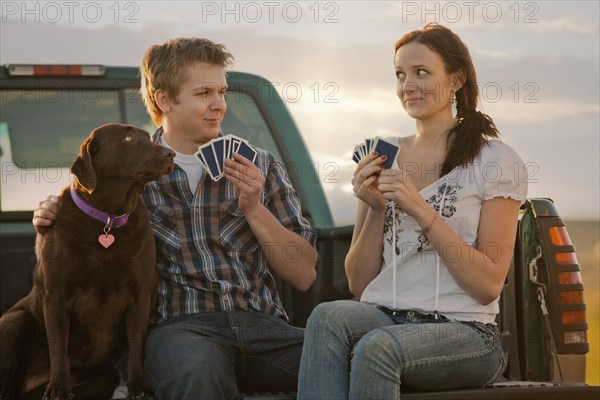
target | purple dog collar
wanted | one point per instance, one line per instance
(110, 221)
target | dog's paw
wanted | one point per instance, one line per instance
(70, 396)
(58, 393)
(143, 395)
(138, 392)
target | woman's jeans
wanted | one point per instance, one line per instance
(353, 350)
(212, 354)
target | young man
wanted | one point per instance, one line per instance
(220, 323)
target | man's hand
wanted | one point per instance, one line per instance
(45, 215)
(247, 179)
(249, 183)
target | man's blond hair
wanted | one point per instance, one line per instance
(163, 67)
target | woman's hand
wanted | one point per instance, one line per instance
(363, 260)
(365, 178)
(397, 185)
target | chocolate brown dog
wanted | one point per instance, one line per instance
(95, 282)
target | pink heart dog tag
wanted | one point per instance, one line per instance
(106, 240)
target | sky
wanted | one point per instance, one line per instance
(537, 64)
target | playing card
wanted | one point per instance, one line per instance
(359, 152)
(369, 145)
(213, 154)
(382, 147)
(363, 150)
(210, 160)
(235, 143)
(218, 149)
(227, 147)
(356, 155)
(200, 158)
(245, 150)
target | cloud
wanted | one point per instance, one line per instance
(510, 55)
(539, 17)
(542, 111)
(538, 80)
(567, 25)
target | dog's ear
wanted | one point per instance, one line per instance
(83, 169)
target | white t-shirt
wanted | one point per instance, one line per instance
(498, 171)
(190, 164)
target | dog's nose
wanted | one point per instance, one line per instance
(168, 153)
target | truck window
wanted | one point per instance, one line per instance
(41, 132)
(46, 127)
(244, 119)
(135, 110)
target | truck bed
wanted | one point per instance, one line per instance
(499, 390)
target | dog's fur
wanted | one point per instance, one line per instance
(89, 304)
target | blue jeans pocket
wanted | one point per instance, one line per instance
(492, 336)
(489, 332)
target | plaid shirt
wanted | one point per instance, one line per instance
(207, 255)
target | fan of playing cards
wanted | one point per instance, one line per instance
(381, 146)
(214, 153)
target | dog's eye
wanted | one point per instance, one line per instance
(129, 138)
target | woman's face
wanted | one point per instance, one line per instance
(424, 87)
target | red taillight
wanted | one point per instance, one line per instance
(561, 275)
(569, 278)
(573, 317)
(572, 297)
(55, 70)
(566, 258)
(559, 236)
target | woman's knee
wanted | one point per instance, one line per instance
(377, 346)
(320, 313)
(335, 312)
(342, 321)
(330, 319)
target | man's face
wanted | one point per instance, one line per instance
(196, 114)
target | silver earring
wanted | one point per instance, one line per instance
(453, 106)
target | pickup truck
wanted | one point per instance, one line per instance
(48, 110)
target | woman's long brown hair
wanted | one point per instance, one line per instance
(474, 128)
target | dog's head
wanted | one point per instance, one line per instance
(120, 152)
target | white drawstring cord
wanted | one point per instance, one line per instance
(394, 255)
(436, 314)
(437, 261)
(437, 286)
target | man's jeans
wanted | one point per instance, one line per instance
(210, 355)
(352, 350)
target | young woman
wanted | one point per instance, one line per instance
(431, 247)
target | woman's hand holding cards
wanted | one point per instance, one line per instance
(373, 156)
(365, 178)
